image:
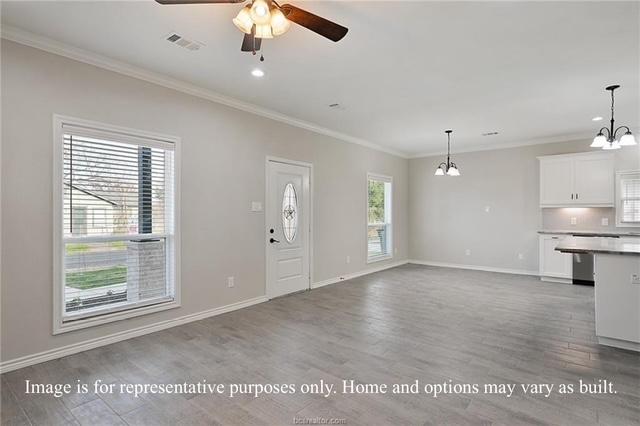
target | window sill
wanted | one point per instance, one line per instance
(379, 258)
(70, 324)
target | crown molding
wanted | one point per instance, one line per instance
(507, 145)
(30, 39)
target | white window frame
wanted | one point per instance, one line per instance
(388, 204)
(618, 209)
(122, 312)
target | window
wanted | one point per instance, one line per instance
(628, 198)
(289, 213)
(115, 234)
(379, 229)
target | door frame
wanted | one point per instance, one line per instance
(267, 205)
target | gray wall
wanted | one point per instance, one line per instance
(447, 215)
(223, 169)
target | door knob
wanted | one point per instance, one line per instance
(273, 240)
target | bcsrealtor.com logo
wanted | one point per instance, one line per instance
(319, 421)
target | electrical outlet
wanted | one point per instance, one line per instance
(256, 206)
(605, 221)
(487, 209)
(467, 252)
(635, 279)
(574, 220)
(231, 282)
(520, 256)
(348, 259)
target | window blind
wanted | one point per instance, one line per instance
(630, 199)
(118, 230)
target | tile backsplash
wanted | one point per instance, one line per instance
(585, 219)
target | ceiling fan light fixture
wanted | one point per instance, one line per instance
(263, 31)
(243, 20)
(279, 24)
(260, 12)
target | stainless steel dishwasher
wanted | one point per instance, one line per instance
(583, 264)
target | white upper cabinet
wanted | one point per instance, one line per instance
(556, 181)
(585, 179)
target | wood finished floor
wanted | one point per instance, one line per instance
(411, 322)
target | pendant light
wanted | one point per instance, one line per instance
(449, 168)
(607, 137)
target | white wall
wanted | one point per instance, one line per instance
(223, 169)
(447, 215)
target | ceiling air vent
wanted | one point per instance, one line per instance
(178, 40)
(490, 134)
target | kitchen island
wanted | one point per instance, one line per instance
(617, 287)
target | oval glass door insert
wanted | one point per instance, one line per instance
(289, 213)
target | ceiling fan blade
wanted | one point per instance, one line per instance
(197, 1)
(250, 43)
(315, 23)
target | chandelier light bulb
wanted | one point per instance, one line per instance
(627, 139)
(611, 146)
(263, 31)
(453, 171)
(439, 172)
(279, 24)
(260, 12)
(599, 141)
(243, 20)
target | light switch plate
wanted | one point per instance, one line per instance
(574, 220)
(605, 221)
(635, 279)
(256, 206)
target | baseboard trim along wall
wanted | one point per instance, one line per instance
(27, 360)
(474, 267)
(358, 274)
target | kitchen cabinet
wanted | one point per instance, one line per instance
(554, 266)
(578, 180)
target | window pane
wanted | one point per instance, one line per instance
(289, 213)
(379, 218)
(100, 275)
(630, 200)
(121, 185)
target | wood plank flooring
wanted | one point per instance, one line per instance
(412, 322)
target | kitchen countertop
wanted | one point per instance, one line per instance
(591, 233)
(598, 245)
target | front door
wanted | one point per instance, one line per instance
(288, 228)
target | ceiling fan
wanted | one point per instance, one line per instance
(264, 19)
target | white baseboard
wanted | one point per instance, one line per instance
(358, 274)
(25, 361)
(474, 267)
(556, 280)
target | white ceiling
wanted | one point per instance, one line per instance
(405, 72)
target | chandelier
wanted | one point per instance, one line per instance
(607, 138)
(449, 168)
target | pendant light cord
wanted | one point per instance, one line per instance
(448, 149)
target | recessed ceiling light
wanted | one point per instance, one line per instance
(596, 118)
(257, 72)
